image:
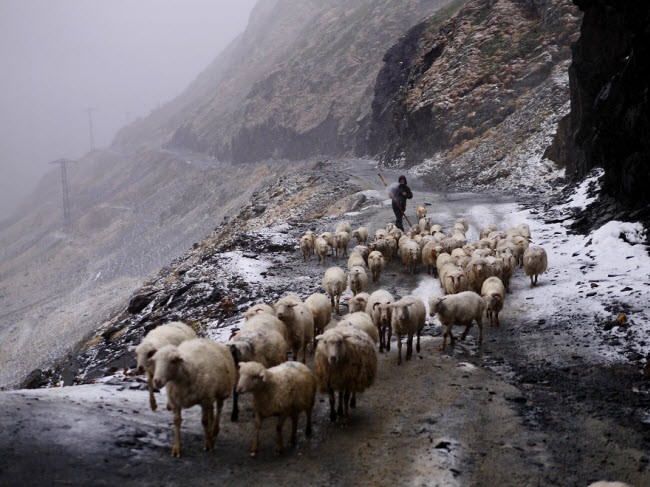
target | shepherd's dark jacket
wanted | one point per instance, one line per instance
(399, 195)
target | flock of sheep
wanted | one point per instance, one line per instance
(197, 371)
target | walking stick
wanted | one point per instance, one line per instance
(403, 214)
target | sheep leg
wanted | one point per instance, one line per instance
(215, 429)
(152, 399)
(399, 349)
(417, 343)
(496, 314)
(176, 448)
(390, 334)
(531, 281)
(294, 352)
(332, 405)
(353, 400)
(235, 405)
(535, 279)
(294, 429)
(346, 402)
(304, 353)
(444, 340)
(465, 331)
(256, 435)
(409, 346)
(382, 338)
(339, 409)
(207, 418)
(278, 434)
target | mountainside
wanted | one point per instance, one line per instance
(478, 96)
(298, 82)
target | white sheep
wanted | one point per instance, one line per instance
(357, 279)
(361, 235)
(319, 304)
(257, 309)
(171, 333)
(362, 321)
(361, 250)
(535, 263)
(493, 293)
(356, 259)
(264, 320)
(376, 263)
(453, 279)
(334, 283)
(340, 242)
(380, 233)
(458, 309)
(409, 317)
(263, 345)
(357, 302)
(381, 313)
(306, 247)
(477, 272)
(321, 247)
(284, 391)
(346, 361)
(487, 230)
(382, 246)
(463, 222)
(421, 211)
(299, 320)
(430, 253)
(411, 255)
(198, 371)
(343, 226)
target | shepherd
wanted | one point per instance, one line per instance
(399, 194)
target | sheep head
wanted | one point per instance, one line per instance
(252, 376)
(167, 362)
(332, 342)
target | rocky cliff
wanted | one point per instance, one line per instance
(472, 98)
(296, 83)
(609, 124)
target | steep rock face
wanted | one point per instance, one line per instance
(296, 83)
(609, 124)
(469, 78)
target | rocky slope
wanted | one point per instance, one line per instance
(479, 94)
(609, 124)
(296, 83)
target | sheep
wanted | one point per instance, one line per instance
(299, 320)
(381, 315)
(409, 317)
(361, 234)
(306, 247)
(535, 263)
(361, 250)
(392, 246)
(425, 223)
(329, 238)
(356, 259)
(380, 234)
(463, 222)
(442, 259)
(334, 282)
(430, 253)
(508, 267)
(171, 333)
(257, 309)
(435, 229)
(357, 280)
(382, 246)
(357, 303)
(376, 263)
(198, 371)
(454, 280)
(284, 391)
(363, 322)
(522, 244)
(487, 230)
(340, 242)
(493, 293)
(410, 255)
(319, 304)
(477, 273)
(346, 361)
(495, 266)
(320, 247)
(395, 232)
(421, 211)
(264, 321)
(458, 309)
(343, 226)
(263, 345)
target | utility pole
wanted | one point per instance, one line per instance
(66, 196)
(90, 128)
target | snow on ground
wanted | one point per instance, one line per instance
(595, 276)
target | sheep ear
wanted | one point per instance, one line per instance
(293, 305)
(318, 337)
(151, 353)
(263, 376)
(177, 360)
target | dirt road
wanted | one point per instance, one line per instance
(536, 405)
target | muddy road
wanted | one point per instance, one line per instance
(538, 404)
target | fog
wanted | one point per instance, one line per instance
(121, 58)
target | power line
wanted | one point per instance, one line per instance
(66, 195)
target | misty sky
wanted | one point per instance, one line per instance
(121, 57)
